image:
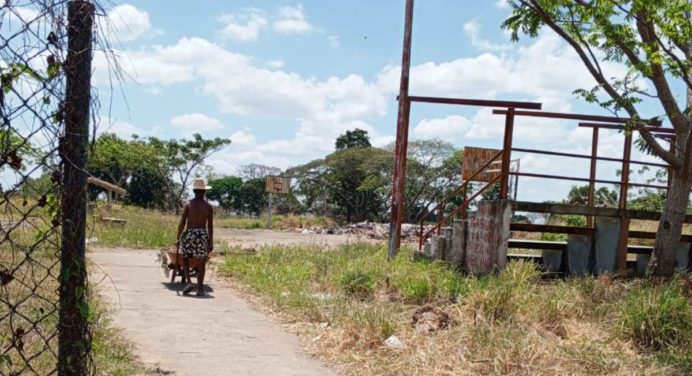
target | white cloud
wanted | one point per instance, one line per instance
(245, 27)
(276, 64)
(451, 128)
(473, 30)
(120, 128)
(322, 109)
(126, 23)
(292, 20)
(501, 4)
(334, 41)
(196, 123)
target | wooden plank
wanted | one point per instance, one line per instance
(474, 159)
(552, 208)
(652, 235)
(569, 230)
(537, 244)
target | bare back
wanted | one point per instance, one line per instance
(198, 213)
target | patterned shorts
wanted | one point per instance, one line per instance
(195, 243)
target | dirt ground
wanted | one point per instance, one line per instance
(256, 238)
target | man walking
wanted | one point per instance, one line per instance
(197, 241)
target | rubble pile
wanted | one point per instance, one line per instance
(369, 230)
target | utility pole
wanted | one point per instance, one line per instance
(399, 179)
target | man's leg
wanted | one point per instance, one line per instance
(186, 270)
(202, 268)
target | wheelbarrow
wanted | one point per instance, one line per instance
(175, 264)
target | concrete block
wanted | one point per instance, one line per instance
(448, 232)
(552, 260)
(427, 251)
(579, 253)
(488, 237)
(455, 253)
(682, 261)
(439, 245)
(606, 244)
(642, 264)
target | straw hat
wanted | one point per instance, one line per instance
(200, 184)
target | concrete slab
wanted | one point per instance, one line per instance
(455, 253)
(552, 260)
(606, 242)
(217, 335)
(488, 237)
(579, 249)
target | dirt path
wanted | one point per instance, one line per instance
(217, 335)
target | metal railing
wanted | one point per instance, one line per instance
(463, 189)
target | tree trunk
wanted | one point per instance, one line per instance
(670, 228)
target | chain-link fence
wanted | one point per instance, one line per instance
(45, 68)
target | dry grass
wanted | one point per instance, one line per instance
(346, 303)
(35, 312)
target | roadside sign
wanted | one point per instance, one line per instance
(278, 184)
(474, 159)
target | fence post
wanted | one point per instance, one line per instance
(74, 344)
(507, 154)
(592, 174)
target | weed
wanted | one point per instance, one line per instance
(656, 317)
(358, 284)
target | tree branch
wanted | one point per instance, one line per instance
(601, 80)
(658, 76)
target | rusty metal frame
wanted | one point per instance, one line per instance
(401, 143)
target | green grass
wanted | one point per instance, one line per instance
(152, 229)
(348, 301)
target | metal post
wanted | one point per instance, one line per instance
(506, 154)
(516, 180)
(625, 176)
(592, 174)
(269, 216)
(399, 178)
(74, 346)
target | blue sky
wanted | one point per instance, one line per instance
(282, 79)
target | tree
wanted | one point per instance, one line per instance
(356, 138)
(182, 157)
(226, 191)
(252, 196)
(149, 189)
(257, 171)
(653, 39)
(604, 197)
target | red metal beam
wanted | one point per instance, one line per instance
(584, 156)
(592, 174)
(399, 175)
(507, 153)
(651, 129)
(477, 102)
(559, 115)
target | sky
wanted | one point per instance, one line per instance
(282, 79)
